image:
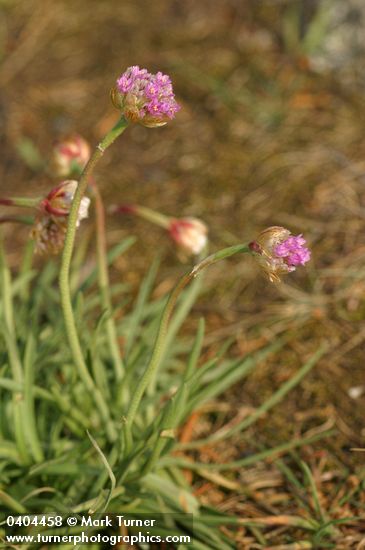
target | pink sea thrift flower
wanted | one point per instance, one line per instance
(70, 156)
(190, 234)
(293, 251)
(50, 225)
(279, 252)
(144, 97)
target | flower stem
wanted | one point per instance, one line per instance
(26, 220)
(152, 216)
(146, 213)
(20, 201)
(101, 249)
(162, 332)
(65, 283)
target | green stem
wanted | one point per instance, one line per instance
(162, 332)
(20, 201)
(101, 248)
(64, 282)
(152, 216)
(26, 220)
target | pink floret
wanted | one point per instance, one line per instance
(153, 91)
(293, 251)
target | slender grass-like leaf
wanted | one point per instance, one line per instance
(266, 406)
(185, 304)
(12, 503)
(29, 360)
(236, 371)
(8, 330)
(25, 272)
(9, 451)
(108, 469)
(247, 461)
(112, 255)
(195, 350)
(10, 385)
(321, 516)
(135, 318)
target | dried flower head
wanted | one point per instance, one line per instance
(279, 252)
(144, 97)
(190, 234)
(70, 156)
(48, 233)
(50, 225)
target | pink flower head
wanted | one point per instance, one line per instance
(293, 251)
(70, 156)
(144, 97)
(279, 252)
(189, 233)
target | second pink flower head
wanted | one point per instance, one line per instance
(279, 252)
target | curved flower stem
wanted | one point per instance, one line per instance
(101, 249)
(64, 282)
(162, 332)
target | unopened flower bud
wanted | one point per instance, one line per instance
(279, 252)
(58, 201)
(70, 156)
(50, 225)
(144, 97)
(190, 234)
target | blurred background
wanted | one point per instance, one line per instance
(271, 132)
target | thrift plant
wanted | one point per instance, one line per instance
(91, 424)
